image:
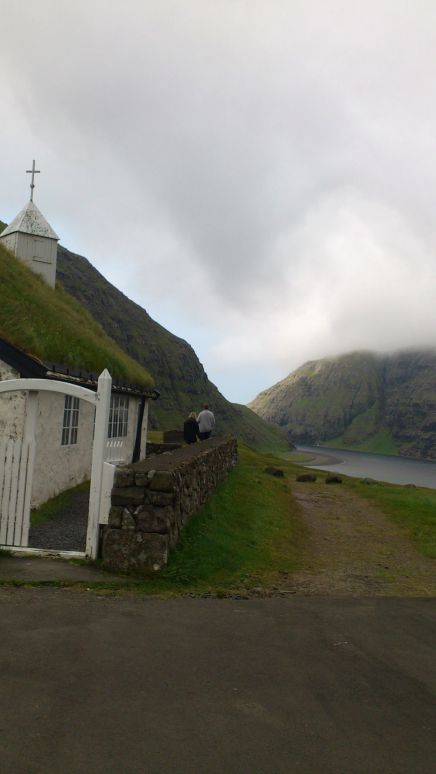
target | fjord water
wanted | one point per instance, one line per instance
(381, 467)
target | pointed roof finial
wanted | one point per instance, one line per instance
(32, 172)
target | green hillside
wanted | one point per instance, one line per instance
(362, 401)
(54, 327)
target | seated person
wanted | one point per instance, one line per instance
(190, 429)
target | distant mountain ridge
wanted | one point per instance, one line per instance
(361, 400)
(177, 371)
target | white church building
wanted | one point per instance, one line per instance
(64, 425)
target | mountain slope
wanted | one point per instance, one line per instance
(359, 400)
(178, 373)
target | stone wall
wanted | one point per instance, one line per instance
(152, 501)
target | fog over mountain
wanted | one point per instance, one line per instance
(260, 176)
(360, 400)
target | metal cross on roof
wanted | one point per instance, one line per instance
(32, 172)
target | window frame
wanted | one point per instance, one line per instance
(70, 421)
(118, 426)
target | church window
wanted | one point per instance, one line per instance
(71, 421)
(118, 416)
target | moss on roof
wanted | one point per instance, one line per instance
(53, 326)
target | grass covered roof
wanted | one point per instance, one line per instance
(53, 326)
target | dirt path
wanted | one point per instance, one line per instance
(355, 550)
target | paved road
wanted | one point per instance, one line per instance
(101, 685)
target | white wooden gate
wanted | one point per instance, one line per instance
(16, 462)
(16, 466)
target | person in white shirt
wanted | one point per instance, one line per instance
(206, 423)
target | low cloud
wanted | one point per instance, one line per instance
(259, 176)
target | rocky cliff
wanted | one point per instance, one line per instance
(360, 400)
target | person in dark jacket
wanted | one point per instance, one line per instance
(190, 429)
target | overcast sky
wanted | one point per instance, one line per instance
(259, 175)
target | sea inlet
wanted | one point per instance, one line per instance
(380, 467)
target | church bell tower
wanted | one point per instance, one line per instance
(32, 239)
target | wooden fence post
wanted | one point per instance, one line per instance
(29, 442)
(103, 400)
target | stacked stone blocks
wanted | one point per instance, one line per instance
(152, 501)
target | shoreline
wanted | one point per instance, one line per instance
(322, 459)
(389, 469)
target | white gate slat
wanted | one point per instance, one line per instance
(28, 478)
(16, 469)
(15, 473)
(3, 516)
(7, 492)
(29, 440)
(99, 451)
(106, 492)
(21, 493)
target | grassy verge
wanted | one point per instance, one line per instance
(248, 534)
(414, 510)
(155, 436)
(52, 508)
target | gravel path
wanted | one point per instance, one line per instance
(67, 531)
(355, 550)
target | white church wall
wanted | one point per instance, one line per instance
(39, 253)
(12, 406)
(60, 467)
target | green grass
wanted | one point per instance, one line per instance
(381, 443)
(273, 446)
(248, 534)
(155, 436)
(413, 510)
(51, 509)
(53, 326)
